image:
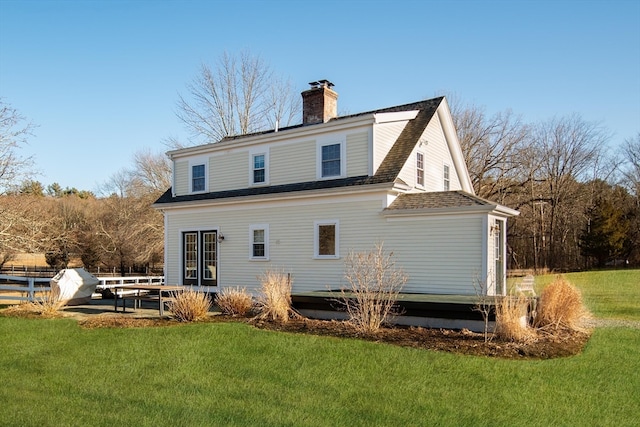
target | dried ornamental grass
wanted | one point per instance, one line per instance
(512, 318)
(189, 305)
(274, 301)
(560, 307)
(47, 306)
(235, 302)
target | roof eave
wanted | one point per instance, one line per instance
(359, 189)
(498, 210)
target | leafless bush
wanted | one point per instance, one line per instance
(235, 301)
(274, 301)
(374, 283)
(48, 305)
(189, 305)
(512, 318)
(485, 304)
(560, 307)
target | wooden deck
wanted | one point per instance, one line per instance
(429, 310)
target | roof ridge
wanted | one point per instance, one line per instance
(397, 108)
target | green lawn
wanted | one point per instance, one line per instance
(607, 294)
(53, 373)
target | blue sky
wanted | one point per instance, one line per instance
(101, 78)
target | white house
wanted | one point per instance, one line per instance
(300, 198)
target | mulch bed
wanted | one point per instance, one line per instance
(543, 346)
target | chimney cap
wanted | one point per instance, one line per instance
(321, 83)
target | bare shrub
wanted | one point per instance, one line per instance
(48, 305)
(512, 318)
(235, 301)
(274, 301)
(560, 307)
(374, 283)
(189, 305)
(485, 304)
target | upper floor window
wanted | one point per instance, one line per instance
(197, 178)
(259, 170)
(331, 160)
(259, 166)
(420, 169)
(446, 180)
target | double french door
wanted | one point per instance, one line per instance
(200, 258)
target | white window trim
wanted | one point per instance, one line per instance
(264, 227)
(252, 154)
(343, 159)
(316, 236)
(198, 162)
(424, 176)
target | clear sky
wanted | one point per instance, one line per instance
(101, 78)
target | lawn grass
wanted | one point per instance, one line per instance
(54, 373)
(607, 293)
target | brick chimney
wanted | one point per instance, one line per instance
(320, 103)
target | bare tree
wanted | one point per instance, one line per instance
(631, 167)
(151, 171)
(240, 95)
(566, 149)
(14, 133)
(494, 148)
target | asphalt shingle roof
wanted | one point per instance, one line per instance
(386, 173)
(437, 200)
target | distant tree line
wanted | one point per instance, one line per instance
(579, 199)
(119, 230)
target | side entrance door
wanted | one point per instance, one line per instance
(200, 258)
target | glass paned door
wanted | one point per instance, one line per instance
(209, 258)
(498, 248)
(190, 259)
(200, 258)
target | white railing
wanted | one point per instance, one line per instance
(112, 282)
(28, 286)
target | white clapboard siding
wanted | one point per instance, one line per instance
(436, 155)
(293, 162)
(181, 179)
(358, 154)
(384, 135)
(229, 171)
(431, 250)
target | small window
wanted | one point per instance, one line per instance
(326, 239)
(420, 169)
(197, 178)
(259, 238)
(259, 169)
(331, 165)
(446, 179)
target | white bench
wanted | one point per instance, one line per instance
(526, 286)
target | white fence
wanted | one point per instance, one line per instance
(28, 286)
(27, 291)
